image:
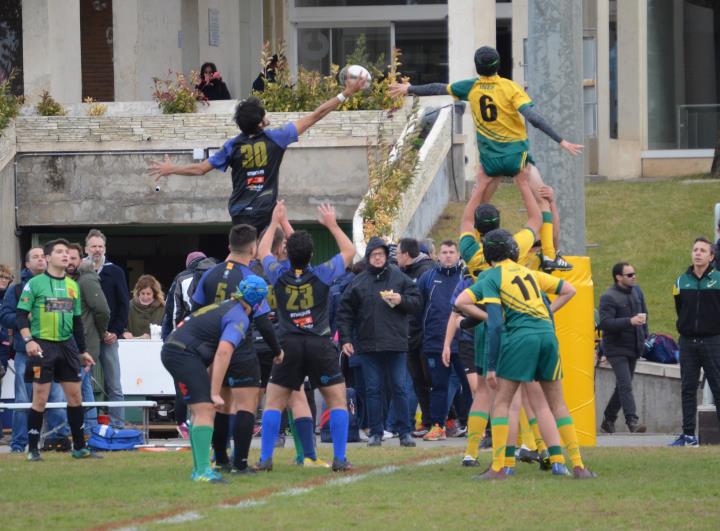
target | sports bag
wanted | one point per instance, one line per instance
(353, 427)
(661, 348)
(106, 438)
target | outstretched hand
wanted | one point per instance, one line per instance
(398, 89)
(326, 215)
(160, 169)
(573, 149)
(353, 85)
(279, 212)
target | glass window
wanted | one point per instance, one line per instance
(683, 73)
(11, 44)
(613, 69)
(589, 87)
(424, 47)
(319, 47)
(355, 3)
(314, 49)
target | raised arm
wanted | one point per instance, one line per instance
(326, 217)
(265, 246)
(538, 121)
(159, 169)
(534, 221)
(467, 222)
(431, 89)
(351, 87)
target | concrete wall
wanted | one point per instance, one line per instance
(9, 251)
(656, 388)
(671, 167)
(51, 49)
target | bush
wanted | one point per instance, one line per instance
(177, 96)
(95, 108)
(311, 89)
(9, 102)
(47, 106)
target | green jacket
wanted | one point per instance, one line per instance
(141, 317)
(95, 309)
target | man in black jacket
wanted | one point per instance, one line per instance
(375, 307)
(623, 321)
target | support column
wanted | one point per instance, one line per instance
(555, 84)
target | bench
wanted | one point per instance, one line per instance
(144, 404)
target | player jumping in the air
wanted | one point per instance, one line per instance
(255, 156)
(498, 106)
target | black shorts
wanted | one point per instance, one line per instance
(265, 357)
(60, 362)
(243, 371)
(307, 355)
(466, 351)
(189, 372)
(259, 220)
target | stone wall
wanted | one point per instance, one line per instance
(9, 252)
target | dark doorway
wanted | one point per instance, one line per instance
(96, 50)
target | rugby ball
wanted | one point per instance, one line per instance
(354, 72)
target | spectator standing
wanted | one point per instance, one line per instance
(115, 288)
(6, 277)
(35, 264)
(373, 322)
(178, 303)
(697, 302)
(623, 321)
(95, 318)
(211, 84)
(146, 307)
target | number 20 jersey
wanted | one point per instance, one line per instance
(495, 103)
(302, 295)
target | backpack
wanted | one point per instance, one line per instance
(661, 348)
(106, 438)
(204, 265)
(353, 427)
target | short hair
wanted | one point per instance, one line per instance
(95, 233)
(248, 115)
(50, 246)
(76, 247)
(4, 268)
(703, 239)
(149, 281)
(241, 238)
(409, 246)
(618, 270)
(300, 249)
(449, 243)
(27, 254)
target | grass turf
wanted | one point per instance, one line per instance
(649, 224)
(637, 488)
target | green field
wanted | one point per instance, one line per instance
(423, 488)
(649, 224)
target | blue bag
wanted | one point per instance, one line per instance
(106, 438)
(661, 348)
(353, 427)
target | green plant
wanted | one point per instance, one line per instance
(95, 108)
(176, 96)
(9, 102)
(47, 106)
(310, 88)
(391, 170)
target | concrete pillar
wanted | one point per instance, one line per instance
(555, 84)
(51, 49)
(519, 35)
(250, 45)
(471, 24)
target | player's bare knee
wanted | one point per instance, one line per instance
(335, 396)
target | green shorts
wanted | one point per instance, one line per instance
(529, 355)
(480, 357)
(507, 166)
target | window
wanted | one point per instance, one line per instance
(319, 47)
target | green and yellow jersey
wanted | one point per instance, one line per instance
(52, 303)
(519, 291)
(495, 103)
(471, 249)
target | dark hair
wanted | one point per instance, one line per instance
(359, 267)
(300, 248)
(487, 61)
(499, 245)
(204, 66)
(409, 246)
(50, 246)
(241, 238)
(27, 254)
(248, 115)
(448, 243)
(77, 247)
(617, 270)
(703, 239)
(487, 218)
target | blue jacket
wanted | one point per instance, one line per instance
(115, 288)
(436, 287)
(8, 309)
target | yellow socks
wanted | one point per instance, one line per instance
(477, 422)
(566, 427)
(541, 446)
(546, 236)
(500, 431)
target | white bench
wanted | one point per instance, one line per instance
(144, 404)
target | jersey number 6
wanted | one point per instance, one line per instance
(488, 110)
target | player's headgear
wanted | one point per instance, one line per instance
(499, 245)
(487, 218)
(487, 61)
(252, 289)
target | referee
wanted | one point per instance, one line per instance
(49, 320)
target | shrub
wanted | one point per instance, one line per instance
(9, 102)
(177, 96)
(47, 106)
(95, 108)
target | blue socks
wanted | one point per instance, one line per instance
(304, 427)
(270, 429)
(339, 420)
